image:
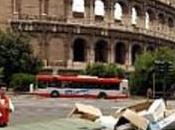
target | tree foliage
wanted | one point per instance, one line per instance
(142, 78)
(16, 55)
(102, 70)
(22, 81)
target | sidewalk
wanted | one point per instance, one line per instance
(59, 124)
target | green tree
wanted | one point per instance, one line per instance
(16, 55)
(102, 70)
(22, 81)
(142, 78)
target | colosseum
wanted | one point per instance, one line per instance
(68, 34)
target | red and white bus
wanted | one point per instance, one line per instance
(81, 86)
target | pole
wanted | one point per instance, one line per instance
(164, 89)
(154, 85)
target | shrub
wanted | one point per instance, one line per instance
(22, 81)
(104, 70)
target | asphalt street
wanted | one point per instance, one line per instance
(29, 109)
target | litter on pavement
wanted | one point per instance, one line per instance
(86, 112)
(148, 115)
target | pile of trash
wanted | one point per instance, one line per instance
(148, 115)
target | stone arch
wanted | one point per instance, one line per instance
(149, 18)
(79, 50)
(120, 53)
(78, 6)
(136, 50)
(99, 8)
(161, 18)
(101, 51)
(124, 6)
(136, 13)
(151, 14)
(120, 9)
(150, 48)
(170, 22)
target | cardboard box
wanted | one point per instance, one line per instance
(156, 111)
(164, 123)
(133, 118)
(86, 112)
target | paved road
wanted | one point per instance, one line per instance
(31, 109)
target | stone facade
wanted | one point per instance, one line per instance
(69, 39)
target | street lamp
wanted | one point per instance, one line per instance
(162, 68)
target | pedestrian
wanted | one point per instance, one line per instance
(5, 107)
(149, 93)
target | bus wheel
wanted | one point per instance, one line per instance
(102, 95)
(54, 94)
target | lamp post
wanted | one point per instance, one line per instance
(154, 84)
(162, 68)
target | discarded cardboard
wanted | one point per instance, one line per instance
(141, 106)
(86, 112)
(168, 112)
(156, 111)
(126, 126)
(143, 116)
(136, 107)
(164, 123)
(107, 122)
(133, 118)
(118, 114)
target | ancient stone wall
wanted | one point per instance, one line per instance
(110, 31)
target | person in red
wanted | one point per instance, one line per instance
(4, 107)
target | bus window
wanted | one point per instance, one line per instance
(109, 87)
(54, 84)
(42, 84)
(66, 84)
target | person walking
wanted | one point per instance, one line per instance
(5, 107)
(149, 93)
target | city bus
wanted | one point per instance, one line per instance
(81, 86)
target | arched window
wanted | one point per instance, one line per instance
(120, 53)
(147, 20)
(136, 50)
(99, 8)
(15, 6)
(136, 13)
(46, 7)
(161, 18)
(79, 50)
(170, 23)
(118, 11)
(150, 48)
(101, 51)
(149, 17)
(78, 6)
(134, 16)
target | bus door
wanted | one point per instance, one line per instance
(124, 86)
